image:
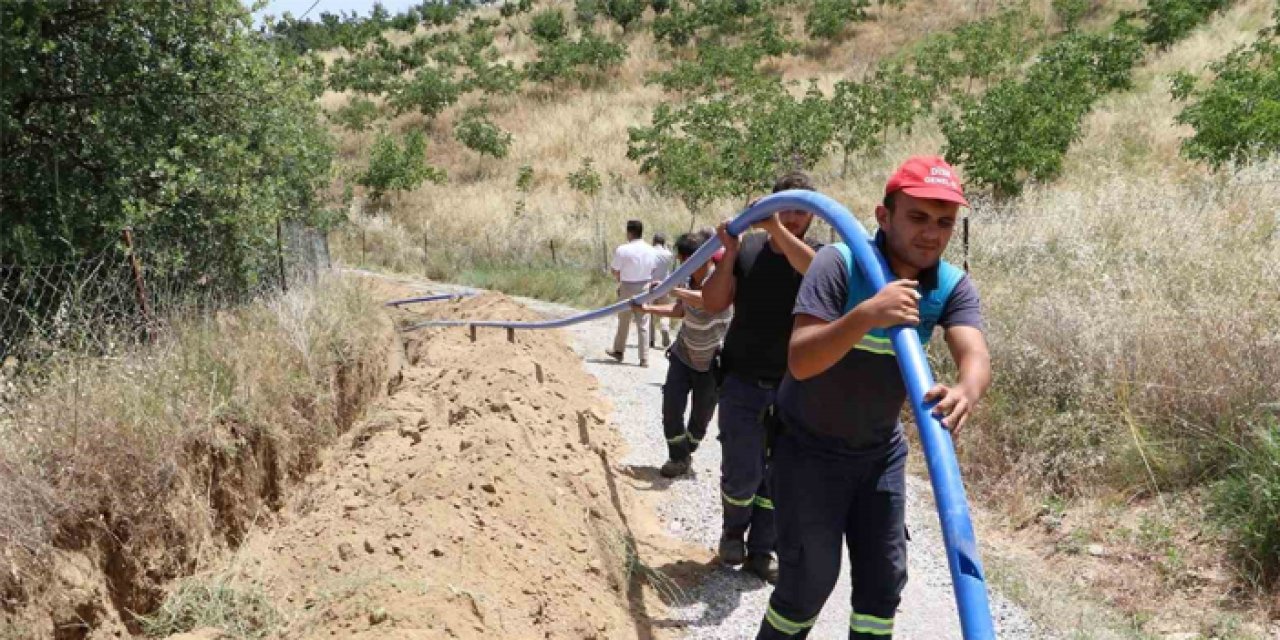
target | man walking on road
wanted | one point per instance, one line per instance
(633, 269)
(692, 362)
(839, 461)
(759, 276)
(663, 261)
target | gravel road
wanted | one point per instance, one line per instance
(730, 604)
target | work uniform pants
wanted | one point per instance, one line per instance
(628, 290)
(824, 493)
(743, 469)
(683, 381)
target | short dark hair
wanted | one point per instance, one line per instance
(889, 200)
(687, 244)
(635, 228)
(660, 239)
(793, 180)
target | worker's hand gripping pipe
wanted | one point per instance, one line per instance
(944, 472)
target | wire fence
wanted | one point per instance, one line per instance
(99, 305)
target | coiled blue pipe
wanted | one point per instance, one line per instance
(944, 473)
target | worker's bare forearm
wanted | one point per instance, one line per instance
(816, 345)
(717, 293)
(799, 255)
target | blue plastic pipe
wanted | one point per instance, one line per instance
(944, 472)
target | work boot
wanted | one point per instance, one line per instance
(763, 566)
(616, 355)
(674, 468)
(732, 549)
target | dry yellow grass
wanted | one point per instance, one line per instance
(1132, 303)
(117, 474)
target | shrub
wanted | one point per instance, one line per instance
(1247, 503)
(1022, 130)
(1069, 12)
(624, 12)
(357, 114)
(548, 26)
(431, 91)
(398, 168)
(1237, 116)
(586, 11)
(107, 125)
(578, 60)
(1170, 20)
(475, 131)
(828, 19)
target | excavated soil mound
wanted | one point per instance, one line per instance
(480, 500)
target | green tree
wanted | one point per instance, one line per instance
(431, 91)
(393, 167)
(478, 133)
(583, 60)
(828, 19)
(548, 26)
(186, 125)
(624, 12)
(1022, 130)
(357, 114)
(1236, 117)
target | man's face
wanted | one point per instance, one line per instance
(917, 231)
(797, 222)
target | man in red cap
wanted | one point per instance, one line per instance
(839, 459)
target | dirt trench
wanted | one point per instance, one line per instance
(480, 500)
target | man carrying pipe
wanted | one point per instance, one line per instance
(839, 459)
(759, 277)
(691, 378)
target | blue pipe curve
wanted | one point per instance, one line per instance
(944, 472)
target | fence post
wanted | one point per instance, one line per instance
(362, 242)
(139, 284)
(284, 281)
(554, 262)
(966, 244)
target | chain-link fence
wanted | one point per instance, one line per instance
(98, 305)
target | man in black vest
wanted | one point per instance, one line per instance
(759, 276)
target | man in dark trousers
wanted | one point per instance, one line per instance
(759, 277)
(838, 464)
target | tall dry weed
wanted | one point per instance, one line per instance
(150, 459)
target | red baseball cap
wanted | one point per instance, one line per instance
(928, 178)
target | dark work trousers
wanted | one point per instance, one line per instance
(683, 380)
(743, 469)
(824, 492)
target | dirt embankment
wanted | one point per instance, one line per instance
(480, 501)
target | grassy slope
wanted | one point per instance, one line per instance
(1128, 328)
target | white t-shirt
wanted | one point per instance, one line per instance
(634, 261)
(662, 263)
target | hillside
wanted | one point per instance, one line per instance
(1129, 286)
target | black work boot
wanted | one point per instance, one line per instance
(675, 468)
(732, 549)
(763, 566)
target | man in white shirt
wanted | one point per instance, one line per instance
(633, 265)
(661, 269)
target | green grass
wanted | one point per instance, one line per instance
(241, 612)
(1247, 503)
